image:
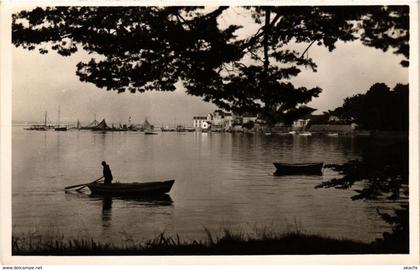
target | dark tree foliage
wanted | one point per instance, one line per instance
(379, 109)
(139, 49)
(249, 125)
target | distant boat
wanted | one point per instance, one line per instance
(58, 128)
(150, 133)
(292, 132)
(91, 125)
(101, 126)
(334, 134)
(298, 168)
(180, 128)
(267, 133)
(132, 189)
(167, 129)
(305, 133)
(43, 127)
(38, 127)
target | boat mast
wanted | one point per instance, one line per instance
(58, 115)
(45, 119)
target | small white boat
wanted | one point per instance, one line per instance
(334, 134)
(292, 132)
(305, 133)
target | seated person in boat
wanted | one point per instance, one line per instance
(107, 173)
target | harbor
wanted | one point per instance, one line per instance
(216, 130)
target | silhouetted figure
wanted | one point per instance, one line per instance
(107, 173)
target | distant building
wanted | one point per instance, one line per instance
(301, 123)
(337, 120)
(221, 121)
(218, 122)
(333, 118)
(248, 118)
(205, 125)
(202, 122)
(229, 121)
(198, 121)
(310, 119)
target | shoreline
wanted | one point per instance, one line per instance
(292, 243)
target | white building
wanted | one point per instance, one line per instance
(217, 121)
(198, 121)
(301, 123)
(202, 122)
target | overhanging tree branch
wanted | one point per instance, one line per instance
(307, 48)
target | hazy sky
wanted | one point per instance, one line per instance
(42, 82)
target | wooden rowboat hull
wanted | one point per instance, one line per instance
(298, 168)
(132, 189)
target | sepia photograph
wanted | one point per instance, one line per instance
(212, 130)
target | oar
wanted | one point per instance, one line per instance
(85, 184)
(80, 188)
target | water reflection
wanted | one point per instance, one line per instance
(149, 201)
(120, 203)
(106, 211)
(154, 201)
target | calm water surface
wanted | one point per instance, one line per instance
(221, 181)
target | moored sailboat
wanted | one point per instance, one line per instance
(43, 127)
(58, 127)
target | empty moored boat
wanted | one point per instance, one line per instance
(132, 189)
(298, 168)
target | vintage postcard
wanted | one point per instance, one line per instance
(209, 132)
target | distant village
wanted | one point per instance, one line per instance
(220, 121)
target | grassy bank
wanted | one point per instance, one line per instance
(228, 244)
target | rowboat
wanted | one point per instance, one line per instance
(132, 189)
(298, 168)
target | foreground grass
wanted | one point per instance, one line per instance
(295, 243)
